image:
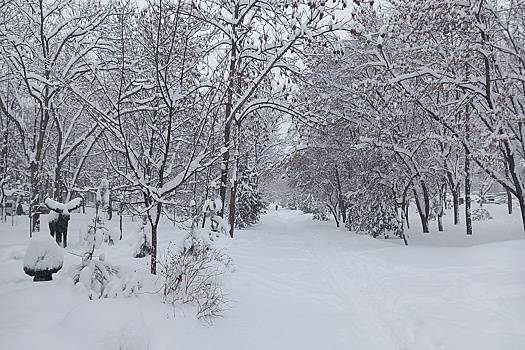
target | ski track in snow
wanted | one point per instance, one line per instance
(297, 284)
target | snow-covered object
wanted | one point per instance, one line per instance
(52, 216)
(103, 193)
(63, 208)
(104, 280)
(43, 258)
(212, 205)
(143, 246)
(481, 214)
(94, 238)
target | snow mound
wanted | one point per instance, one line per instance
(43, 254)
(481, 214)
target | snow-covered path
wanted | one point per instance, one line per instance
(298, 284)
(343, 291)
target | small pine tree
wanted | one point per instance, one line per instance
(250, 204)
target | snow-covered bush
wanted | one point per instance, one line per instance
(100, 278)
(102, 195)
(143, 246)
(374, 216)
(192, 273)
(94, 237)
(320, 215)
(214, 223)
(43, 258)
(103, 280)
(481, 214)
(97, 232)
(250, 204)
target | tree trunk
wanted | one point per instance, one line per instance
(509, 194)
(233, 192)
(468, 216)
(57, 183)
(422, 216)
(34, 211)
(340, 196)
(121, 210)
(455, 204)
(521, 201)
(423, 211)
(442, 201)
(110, 210)
(334, 214)
(153, 249)
(225, 162)
(228, 115)
(509, 202)
(406, 207)
(402, 220)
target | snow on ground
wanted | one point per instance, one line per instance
(297, 284)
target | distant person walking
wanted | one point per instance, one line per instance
(276, 206)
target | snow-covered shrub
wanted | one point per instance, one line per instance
(192, 272)
(43, 258)
(102, 195)
(100, 278)
(250, 204)
(374, 216)
(94, 237)
(214, 223)
(103, 280)
(143, 246)
(481, 214)
(320, 215)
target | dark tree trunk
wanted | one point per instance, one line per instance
(406, 207)
(340, 196)
(509, 202)
(229, 116)
(121, 210)
(57, 186)
(110, 210)
(521, 201)
(455, 205)
(423, 211)
(468, 216)
(154, 249)
(34, 210)
(442, 202)
(334, 213)
(225, 163)
(509, 194)
(233, 192)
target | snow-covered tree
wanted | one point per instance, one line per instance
(45, 46)
(250, 204)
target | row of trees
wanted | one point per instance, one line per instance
(415, 99)
(163, 100)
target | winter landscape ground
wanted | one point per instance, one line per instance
(296, 284)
